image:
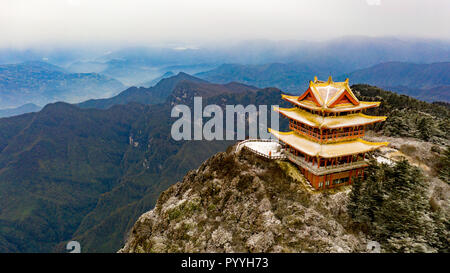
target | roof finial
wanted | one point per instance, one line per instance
(346, 80)
(315, 78)
(330, 80)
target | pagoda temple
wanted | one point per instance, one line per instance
(328, 123)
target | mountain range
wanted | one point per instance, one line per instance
(26, 108)
(41, 83)
(86, 171)
(74, 75)
(137, 65)
(133, 66)
(152, 95)
(428, 82)
(87, 174)
(290, 77)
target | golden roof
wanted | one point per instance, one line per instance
(338, 108)
(329, 91)
(328, 122)
(329, 96)
(331, 150)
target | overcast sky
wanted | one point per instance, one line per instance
(28, 23)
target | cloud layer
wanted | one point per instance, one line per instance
(25, 23)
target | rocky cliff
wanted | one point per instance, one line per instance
(244, 203)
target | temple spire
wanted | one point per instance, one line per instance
(330, 80)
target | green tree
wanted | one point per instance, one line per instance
(392, 203)
(444, 166)
(424, 129)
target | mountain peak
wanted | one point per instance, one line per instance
(57, 107)
(26, 108)
(169, 83)
(185, 90)
(243, 203)
(184, 76)
(181, 73)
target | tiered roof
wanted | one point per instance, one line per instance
(329, 96)
(330, 122)
(332, 150)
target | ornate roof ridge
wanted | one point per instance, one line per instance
(327, 102)
(339, 108)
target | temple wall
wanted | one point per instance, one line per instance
(326, 181)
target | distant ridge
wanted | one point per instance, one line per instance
(103, 167)
(429, 82)
(185, 91)
(26, 108)
(290, 77)
(41, 83)
(155, 81)
(151, 95)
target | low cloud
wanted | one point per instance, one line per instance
(26, 23)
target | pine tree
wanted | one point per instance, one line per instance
(353, 206)
(405, 205)
(444, 166)
(393, 204)
(424, 129)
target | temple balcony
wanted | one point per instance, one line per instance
(326, 138)
(324, 170)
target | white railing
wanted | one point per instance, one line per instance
(242, 145)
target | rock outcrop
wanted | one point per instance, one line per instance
(244, 203)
